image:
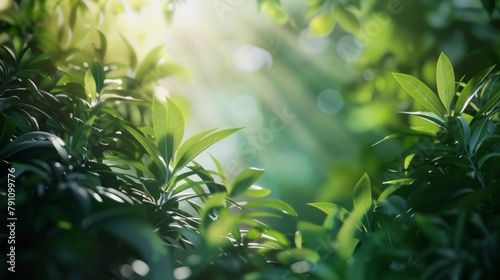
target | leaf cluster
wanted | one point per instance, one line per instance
(105, 178)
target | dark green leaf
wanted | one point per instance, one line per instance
(7, 129)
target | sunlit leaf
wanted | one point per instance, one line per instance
(445, 79)
(346, 236)
(149, 63)
(291, 256)
(277, 204)
(322, 24)
(277, 14)
(362, 196)
(421, 93)
(428, 116)
(257, 191)
(132, 56)
(90, 86)
(330, 208)
(101, 51)
(197, 144)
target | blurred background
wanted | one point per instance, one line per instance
(314, 105)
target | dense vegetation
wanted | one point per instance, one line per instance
(107, 185)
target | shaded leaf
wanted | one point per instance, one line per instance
(244, 180)
(470, 90)
(7, 129)
(168, 125)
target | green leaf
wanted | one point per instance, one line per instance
(256, 191)
(445, 79)
(218, 230)
(277, 13)
(197, 144)
(479, 132)
(168, 125)
(272, 203)
(6, 103)
(294, 255)
(421, 93)
(470, 90)
(346, 236)
(428, 116)
(150, 149)
(412, 133)
(431, 230)
(323, 24)
(489, 6)
(99, 76)
(101, 51)
(330, 208)
(149, 63)
(347, 19)
(7, 129)
(490, 105)
(362, 196)
(137, 165)
(244, 180)
(486, 157)
(90, 86)
(132, 56)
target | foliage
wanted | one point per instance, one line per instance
(107, 184)
(115, 188)
(438, 218)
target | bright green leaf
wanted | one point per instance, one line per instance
(445, 79)
(421, 93)
(322, 24)
(90, 86)
(272, 203)
(330, 208)
(197, 144)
